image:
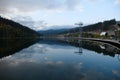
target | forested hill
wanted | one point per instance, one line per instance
(11, 29)
(97, 27)
(103, 26)
(100, 26)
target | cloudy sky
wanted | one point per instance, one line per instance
(46, 14)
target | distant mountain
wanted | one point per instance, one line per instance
(52, 31)
(11, 29)
(56, 27)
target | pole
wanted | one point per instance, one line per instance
(80, 37)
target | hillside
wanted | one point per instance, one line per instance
(100, 26)
(97, 27)
(11, 29)
(94, 30)
(52, 31)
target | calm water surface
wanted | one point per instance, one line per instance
(55, 60)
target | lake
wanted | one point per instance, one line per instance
(58, 60)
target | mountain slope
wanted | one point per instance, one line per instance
(98, 27)
(11, 29)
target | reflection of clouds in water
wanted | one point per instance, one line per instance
(47, 71)
(35, 52)
(115, 72)
(50, 71)
(13, 62)
(3, 58)
(78, 65)
(37, 48)
(32, 54)
(55, 63)
(59, 47)
(49, 62)
(94, 75)
(57, 66)
(45, 58)
(59, 62)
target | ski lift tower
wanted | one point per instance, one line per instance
(79, 37)
(80, 29)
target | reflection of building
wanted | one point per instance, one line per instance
(102, 46)
(109, 48)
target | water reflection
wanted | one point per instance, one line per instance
(46, 71)
(98, 47)
(79, 46)
(57, 60)
(8, 47)
(102, 48)
(11, 46)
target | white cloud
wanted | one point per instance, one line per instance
(72, 4)
(29, 22)
(31, 5)
(92, 0)
(117, 2)
(28, 8)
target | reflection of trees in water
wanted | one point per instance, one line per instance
(37, 49)
(96, 46)
(10, 46)
(107, 50)
(90, 45)
(80, 47)
(42, 50)
(118, 57)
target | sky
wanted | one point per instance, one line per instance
(53, 14)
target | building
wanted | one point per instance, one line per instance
(110, 33)
(103, 34)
